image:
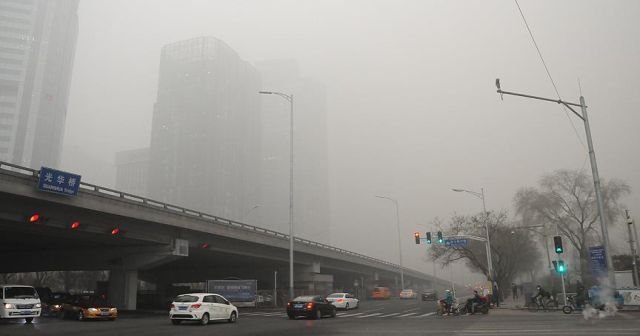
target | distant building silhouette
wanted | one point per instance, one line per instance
(311, 181)
(205, 150)
(37, 48)
(132, 168)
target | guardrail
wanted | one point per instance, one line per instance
(87, 187)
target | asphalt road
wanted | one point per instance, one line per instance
(392, 317)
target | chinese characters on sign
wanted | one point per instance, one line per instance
(58, 182)
(456, 243)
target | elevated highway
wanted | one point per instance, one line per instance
(163, 244)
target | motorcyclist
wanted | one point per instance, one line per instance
(473, 302)
(448, 300)
(580, 295)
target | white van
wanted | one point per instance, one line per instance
(17, 301)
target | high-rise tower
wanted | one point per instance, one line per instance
(205, 136)
(37, 47)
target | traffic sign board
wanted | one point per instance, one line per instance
(58, 182)
(456, 242)
(598, 261)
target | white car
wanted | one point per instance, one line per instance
(408, 294)
(202, 307)
(343, 300)
(18, 301)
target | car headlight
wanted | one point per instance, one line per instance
(93, 310)
(38, 305)
(56, 306)
(9, 306)
(113, 309)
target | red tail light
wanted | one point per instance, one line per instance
(339, 300)
(75, 225)
(115, 231)
(196, 306)
(34, 218)
(310, 305)
(173, 306)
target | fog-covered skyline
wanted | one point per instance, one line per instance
(411, 102)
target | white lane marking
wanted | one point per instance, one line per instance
(410, 310)
(389, 315)
(348, 315)
(340, 314)
(370, 315)
(427, 314)
(405, 315)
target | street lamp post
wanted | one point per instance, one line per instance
(289, 98)
(480, 195)
(399, 240)
(594, 168)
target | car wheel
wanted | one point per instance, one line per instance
(346, 306)
(205, 319)
(28, 320)
(291, 317)
(233, 318)
(61, 315)
(175, 322)
(333, 311)
(318, 314)
(567, 309)
(80, 315)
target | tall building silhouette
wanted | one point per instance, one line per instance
(311, 182)
(37, 48)
(205, 151)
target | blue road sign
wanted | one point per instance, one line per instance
(456, 243)
(598, 261)
(58, 182)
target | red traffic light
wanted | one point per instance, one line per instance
(115, 231)
(35, 218)
(75, 225)
(417, 237)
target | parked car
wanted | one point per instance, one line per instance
(429, 295)
(343, 300)
(408, 294)
(88, 307)
(18, 301)
(52, 305)
(202, 307)
(310, 306)
(381, 293)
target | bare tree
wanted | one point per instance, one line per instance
(566, 200)
(513, 252)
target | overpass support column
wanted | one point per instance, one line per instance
(123, 288)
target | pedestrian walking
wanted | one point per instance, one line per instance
(514, 291)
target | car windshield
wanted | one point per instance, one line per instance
(335, 295)
(186, 298)
(20, 293)
(90, 300)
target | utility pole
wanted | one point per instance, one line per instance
(594, 170)
(633, 249)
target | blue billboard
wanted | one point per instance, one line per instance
(58, 182)
(235, 290)
(598, 261)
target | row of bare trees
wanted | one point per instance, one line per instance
(66, 281)
(562, 204)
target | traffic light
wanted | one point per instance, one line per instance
(428, 237)
(417, 236)
(557, 242)
(561, 267)
(440, 240)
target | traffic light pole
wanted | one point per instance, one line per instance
(564, 291)
(594, 170)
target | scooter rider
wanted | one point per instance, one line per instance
(473, 302)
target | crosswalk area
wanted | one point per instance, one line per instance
(343, 314)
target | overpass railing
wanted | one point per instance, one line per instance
(88, 187)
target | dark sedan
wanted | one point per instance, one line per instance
(310, 306)
(429, 295)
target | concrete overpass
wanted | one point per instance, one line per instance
(164, 244)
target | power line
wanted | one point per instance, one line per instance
(546, 68)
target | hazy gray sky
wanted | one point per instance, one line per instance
(412, 108)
